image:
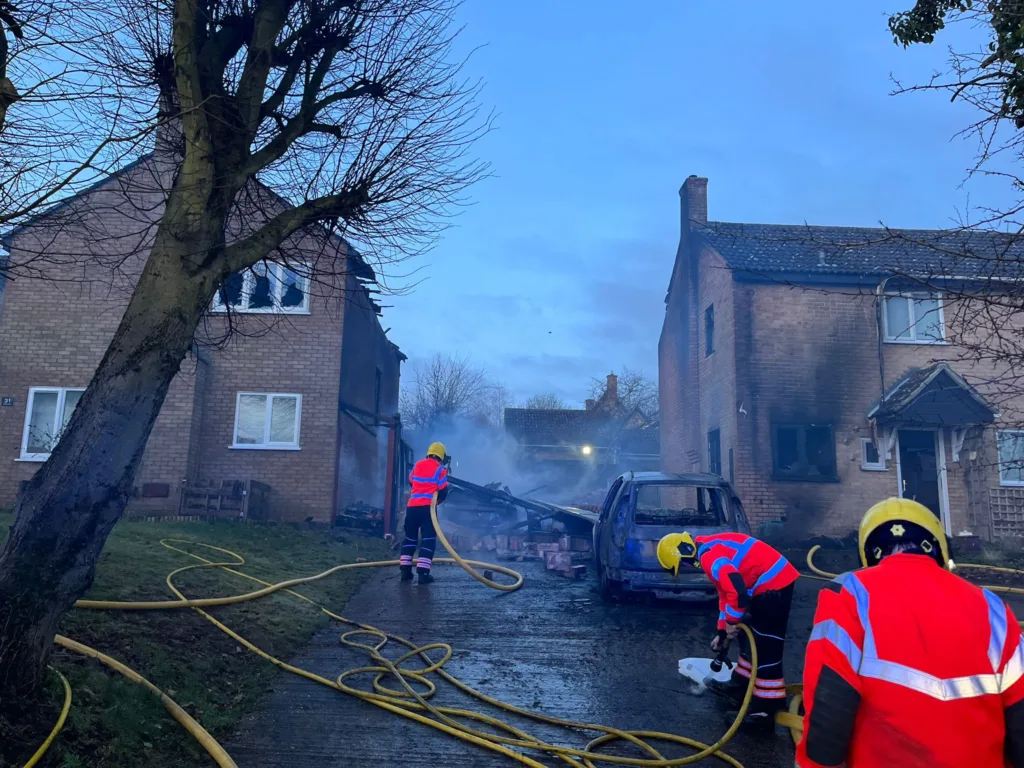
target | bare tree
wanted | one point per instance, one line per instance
(636, 391)
(442, 389)
(356, 115)
(546, 401)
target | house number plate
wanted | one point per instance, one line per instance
(7, 401)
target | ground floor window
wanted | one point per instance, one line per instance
(804, 452)
(267, 421)
(1011, 456)
(870, 460)
(48, 413)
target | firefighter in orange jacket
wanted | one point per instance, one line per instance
(909, 665)
(429, 476)
(755, 585)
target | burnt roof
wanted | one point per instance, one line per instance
(771, 249)
(933, 395)
(568, 426)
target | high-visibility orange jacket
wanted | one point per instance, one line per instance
(428, 475)
(741, 567)
(909, 665)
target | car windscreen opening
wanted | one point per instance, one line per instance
(677, 505)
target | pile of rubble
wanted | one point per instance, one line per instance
(562, 554)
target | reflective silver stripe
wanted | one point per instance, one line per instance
(997, 629)
(916, 680)
(853, 585)
(1014, 668)
(840, 638)
(972, 686)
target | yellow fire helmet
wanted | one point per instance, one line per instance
(895, 520)
(437, 450)
(674, 549)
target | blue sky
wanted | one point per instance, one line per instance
(557, 273)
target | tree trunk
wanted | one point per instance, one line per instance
(66, 512)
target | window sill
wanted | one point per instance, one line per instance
(918, 342)
(1011, 484)
(873, 469)
(32, 459)
(791, 479)
(265, 447)
(270, 311)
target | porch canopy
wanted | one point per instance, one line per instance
(936, 396)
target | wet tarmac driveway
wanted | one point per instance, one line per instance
(553, 646)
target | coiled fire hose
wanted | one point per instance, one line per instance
(407, 700)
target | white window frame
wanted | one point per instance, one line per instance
(1020, 436)
(61, 393)
(912, 299)
(868, 466)
(266, 445)
(277, 284)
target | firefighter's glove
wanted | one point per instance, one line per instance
(718, 641)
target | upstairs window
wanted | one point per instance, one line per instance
(48, 413)
(804, 452)
(265, 288)
(709, 331)
(914, 320)
(715, 452)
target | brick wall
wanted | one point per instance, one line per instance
(717, 371)
(54, 331)
(362, 457)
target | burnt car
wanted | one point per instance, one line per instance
(642, 507)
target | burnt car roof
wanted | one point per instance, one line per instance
(690, 478)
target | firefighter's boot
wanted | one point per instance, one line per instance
(406, 573)
(425, 577)
(733, 690)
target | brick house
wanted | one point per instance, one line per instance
(276, 405)
(793, 361)
(601, 440)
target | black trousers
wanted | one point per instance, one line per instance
(768, 618)
(418, 524)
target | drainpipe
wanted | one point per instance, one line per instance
(880, 336)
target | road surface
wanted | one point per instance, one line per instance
(552, 646)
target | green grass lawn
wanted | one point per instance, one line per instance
(115, 724)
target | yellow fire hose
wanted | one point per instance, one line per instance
(405, 701)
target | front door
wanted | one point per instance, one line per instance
(919, 475)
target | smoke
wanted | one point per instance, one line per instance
(483, 454)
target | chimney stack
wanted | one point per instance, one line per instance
(693, 197)
(612, 390)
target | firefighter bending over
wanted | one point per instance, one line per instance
(909, 665)
(755, 586)
(428, 476)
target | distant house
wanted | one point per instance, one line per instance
(597, 442)
(796, 363)
(275, 415)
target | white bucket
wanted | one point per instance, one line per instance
(698, 670)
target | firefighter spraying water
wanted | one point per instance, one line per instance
(429, 476)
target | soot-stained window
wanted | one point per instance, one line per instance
(804, 452)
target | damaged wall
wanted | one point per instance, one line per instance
(368, 360)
